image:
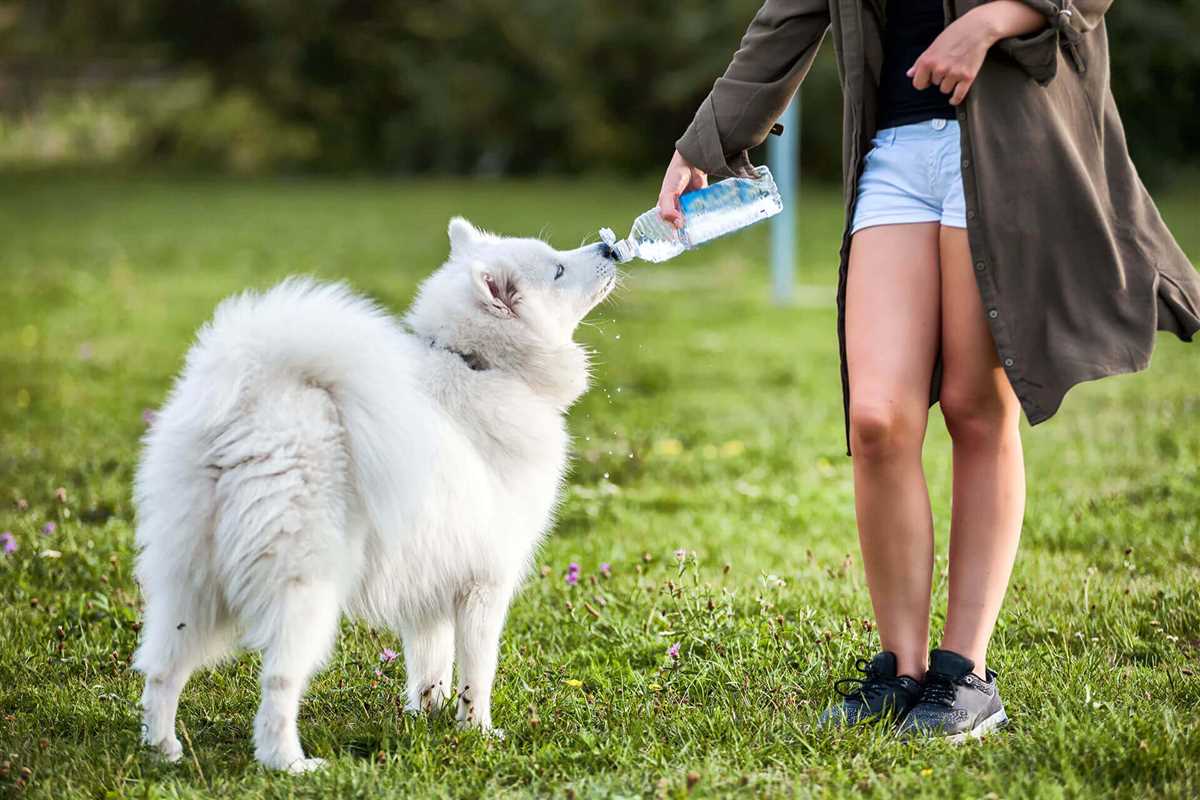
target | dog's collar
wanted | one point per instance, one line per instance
(474, 361)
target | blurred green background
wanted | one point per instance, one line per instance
(470, 87)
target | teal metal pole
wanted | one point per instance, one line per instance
(783, 154)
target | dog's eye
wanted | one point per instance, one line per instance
(558, 272)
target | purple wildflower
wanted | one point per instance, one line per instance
(673, 652)
(8, 542)
(680, 554)
(388, 655)
(49, 528)
(148, 416)
(605, 569)
(572, 573)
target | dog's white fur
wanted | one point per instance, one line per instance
(318, 458)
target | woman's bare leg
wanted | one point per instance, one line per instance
(892, 332)
(982, 415)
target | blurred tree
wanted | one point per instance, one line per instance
(1155, 60)
(483, 86)
(468, 85)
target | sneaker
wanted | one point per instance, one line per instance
(955, 704)
(880, 692)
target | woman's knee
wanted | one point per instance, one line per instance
(881, 430)
(978, 415)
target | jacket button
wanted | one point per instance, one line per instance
(993, 313)
(979, 266)
(971, 214)
(1008, 362)
(966, 163)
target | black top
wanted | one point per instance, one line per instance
(912, 25)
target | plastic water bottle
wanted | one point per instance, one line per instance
(724, 207)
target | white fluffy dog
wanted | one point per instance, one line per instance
(317, 457)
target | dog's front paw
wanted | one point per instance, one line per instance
(302, 765)
(429, 698)
(288, 759)
(169, 748)
(484, 728)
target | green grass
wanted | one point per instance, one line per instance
(714, 425)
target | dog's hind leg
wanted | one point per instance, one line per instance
(479, 619)
(184, 623)
(304, 621)
(283, 551)
(289, 599)
(428, 663)
(180, 633)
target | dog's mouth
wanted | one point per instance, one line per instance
(605, 288)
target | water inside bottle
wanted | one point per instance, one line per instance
(655, 239)
(708, 213)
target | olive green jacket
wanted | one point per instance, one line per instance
(1074, 264)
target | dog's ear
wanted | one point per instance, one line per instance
(462, 235)
(497, 290)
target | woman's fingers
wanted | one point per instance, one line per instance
(679, 178)
(960, 92)
(954, 82)
(674, 183)
(920, 74)
(668, 208)
(954, 58)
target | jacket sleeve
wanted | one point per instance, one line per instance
(1068, 21)
(773, 58)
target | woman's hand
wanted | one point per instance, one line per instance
(680, 177)
(953, 60)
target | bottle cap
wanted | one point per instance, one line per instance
(622, 250)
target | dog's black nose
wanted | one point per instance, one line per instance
(605, 250)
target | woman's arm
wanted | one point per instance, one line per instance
(956, 55)
(954, 59)
(775, 55)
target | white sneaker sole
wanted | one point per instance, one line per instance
(994, 722)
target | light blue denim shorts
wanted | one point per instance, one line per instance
(912, 174)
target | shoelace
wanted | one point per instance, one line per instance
(868, 687)
(939, 689)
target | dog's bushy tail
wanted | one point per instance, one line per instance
(302, 332)
(318, 333)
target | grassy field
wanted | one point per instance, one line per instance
(714, 427)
